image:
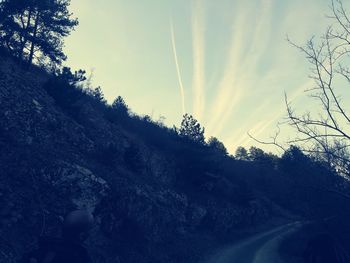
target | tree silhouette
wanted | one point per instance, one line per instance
(98, 95)
(325, 131)
(72, 78)
(33, 30)
(322, 130)
(256, 154)
(191, 129)
(217, 146)
(120, 105)
(242, 154)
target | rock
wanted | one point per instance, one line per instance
(84, 188)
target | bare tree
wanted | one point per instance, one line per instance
(325, 132)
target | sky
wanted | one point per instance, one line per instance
(226, 62)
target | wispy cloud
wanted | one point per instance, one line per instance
(236, 80)
(227, 93)
(182, 90)
(198, 47)
(240, 138)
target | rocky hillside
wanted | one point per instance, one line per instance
(151, 204)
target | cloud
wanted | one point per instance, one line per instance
(182, 90)
(198, 47)
(237, 78)
(261, 126)
(227, 94)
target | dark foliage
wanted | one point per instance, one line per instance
(242, 154)
(258, 155)
(133, 158)
(217, 146)
(98, 95)
(295, 160)
(72, 78)
(33, 30)
(120, 106)
(191, 129)
(63, 87)
(118, 112)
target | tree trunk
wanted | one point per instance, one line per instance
(31, 53)
(24, 36)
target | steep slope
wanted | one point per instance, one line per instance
(150, 205)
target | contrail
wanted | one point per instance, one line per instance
(198, 60)
(182, 91)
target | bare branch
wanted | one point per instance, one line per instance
(273, 142)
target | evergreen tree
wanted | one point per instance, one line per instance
(33, 30)
(98, 95)
(242, 154)
(120, 105)
(256, 154)
(217, 146)
(67, 75)
(191, 129)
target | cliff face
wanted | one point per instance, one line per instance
(146, 210)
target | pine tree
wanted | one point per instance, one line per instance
(242, 154)
(120, 105)
(217, 146)
(34, 30)
(97, 94)
(191, 129)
